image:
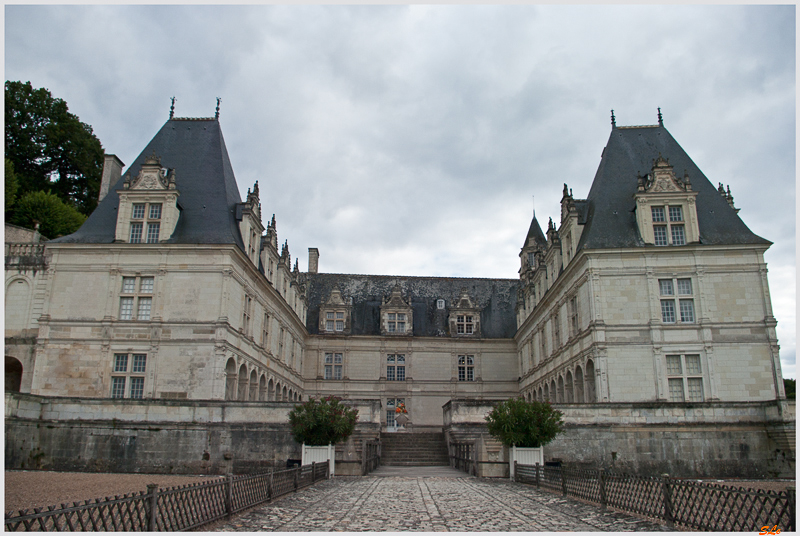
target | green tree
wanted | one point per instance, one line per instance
(50, 148)
(789, 386)
(516, 422)
(12, 185)
(322, 422)
(55, 217)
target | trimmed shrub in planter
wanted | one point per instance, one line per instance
(322, 422)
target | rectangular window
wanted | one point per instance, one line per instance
(138, 211)
(687, 311)
(665, 287)
(660, 235)
(401, 324)
(392, 325)
(396, 371)
(675, 213)
(117, 387)
(120, 362)
(339, 315)
(668, 311)
(137, 387)
(391, 407)
(678, 235)
(573, 315)
(329, 325)
(126, 308)
(673, 364)
(265, 330)
(329, 315)
(466, 368)
(146, 286)
(556, 331)
(676, 390)
(390, 373)
(136, 233)
(139, 362)
(685, 287)
(692, 364)
(658, 214)
(333, 366)
(464, 325)
(155, 211)
(129, 285)
(153, 230)
(695, 386)
(144, 309)
(340, 325)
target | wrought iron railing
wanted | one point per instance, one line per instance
(685, 504)
(169, 509)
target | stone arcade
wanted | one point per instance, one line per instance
(171, 333)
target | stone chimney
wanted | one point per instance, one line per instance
(112, 171)
(313, 260)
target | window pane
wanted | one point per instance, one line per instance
(678, 236)
(138, 211)
(128, 284)
(337, 372)
(390, 403)
(390, 358)
(117, 387)
(147, 285)
(687, 310)
(152, 232)
(390, 373)
(401, 358)
(328, 372)
(660, 235)
(693, 364)
(329, 325)
(685, 287)
(695, 386)
(340, 325)
(139, 362)
(459, 328)
(155, 211)
(673, 364)
(144, 308)
(675, 214)
(120, 362)
(470, 360)
(391, 327)
(462, 374)
(658, 213)
(462, 359)
(136, 233)
(401, 316)
(329, 316)
(401, 374)
(469, 329)
(401, 327)
(137, 387)
(440, 304)
(337, 358)
(329, 358)
(125, 308)
(391, 316)
(665, 287)
(470, 374)
(339, 315)
(667, 311)
(676, 390)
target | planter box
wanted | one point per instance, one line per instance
(319, 454)
(528, 456)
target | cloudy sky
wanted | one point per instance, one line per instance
(416, 140)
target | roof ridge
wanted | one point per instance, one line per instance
(639, 126)
(418, 276)
(192, 119)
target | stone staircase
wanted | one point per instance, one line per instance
(423, 449)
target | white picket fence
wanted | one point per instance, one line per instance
(527, 456)
(320, 454)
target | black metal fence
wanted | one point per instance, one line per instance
(169, 509)
(685, 504)
(462, 457)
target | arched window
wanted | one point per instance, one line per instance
(546, 394)
(262, 388)
(560, 392)
(242, 394)
(568, 388)
(253, 391)
(591, 395)
(230, 380)
(553, 392)
(271, 391)
(579, 385)
(13, 374)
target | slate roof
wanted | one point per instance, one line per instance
(496, 299)
(535, 231)
(630, 152)
(204, 177)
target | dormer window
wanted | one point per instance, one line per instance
(440, 304)
(464, 317)
(668, 232)
(334, 315)
(396, 322)
(148, 207)
(464, 325)
(666, 212)
(139, 223)
(334, 321)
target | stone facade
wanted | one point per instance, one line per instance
(644, 313)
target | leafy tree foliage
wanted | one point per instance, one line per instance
(516, 422)
(55, 217)
(12, 185)
(789, 386)
(50, 148)
(322, 422)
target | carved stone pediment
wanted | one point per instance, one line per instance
(151, 176)
(662, 178)
(396, 299)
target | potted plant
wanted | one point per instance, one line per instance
(401, 415)
(319, 424)
(524, 427)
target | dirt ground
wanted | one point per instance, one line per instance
(30, 489)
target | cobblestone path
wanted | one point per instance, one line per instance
(431, 504)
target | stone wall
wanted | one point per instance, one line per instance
(683, 440)
(159, 436)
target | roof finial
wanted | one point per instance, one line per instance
(613, 120)
(216, 116)
(172, 109)
(660, 118)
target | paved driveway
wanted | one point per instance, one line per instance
(430, 503)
